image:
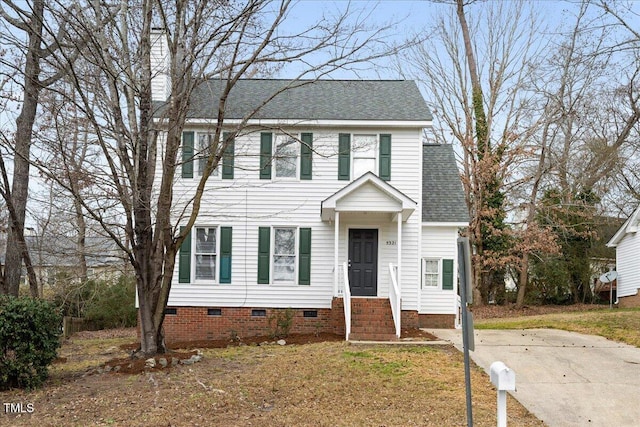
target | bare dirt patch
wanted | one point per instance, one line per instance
(509, 310)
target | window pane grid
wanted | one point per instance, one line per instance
(431, 273)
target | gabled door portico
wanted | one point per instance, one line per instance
(368, 196)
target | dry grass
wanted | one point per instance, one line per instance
(617, 324)
(321, 384)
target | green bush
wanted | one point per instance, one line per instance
(29, 338)
(113, 304)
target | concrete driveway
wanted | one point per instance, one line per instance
(564, 378)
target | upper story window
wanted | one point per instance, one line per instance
(365, 154)
(196, 149)
(358, 154)
(286, 156)
(290, 155)
(204, 151)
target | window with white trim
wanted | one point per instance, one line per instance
(284, 255)
(205, 141)
(364, 149)
(286, 156)
(430, 273)
(205, 253)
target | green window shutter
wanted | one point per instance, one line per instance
(304, 253)
(187, 154)
(264, 241)
(184, 261)
(385, 157)
(306, 154)
(266, 139)
(344, 156)
(225, 254)
(447, 274)
(228, 157)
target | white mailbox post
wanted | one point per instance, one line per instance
(505, 380)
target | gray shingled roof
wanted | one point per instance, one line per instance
(317, 100)
(442, 193)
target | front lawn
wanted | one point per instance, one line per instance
(319, 384)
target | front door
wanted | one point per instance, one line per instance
(363, 262)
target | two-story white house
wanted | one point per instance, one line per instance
(327, 204)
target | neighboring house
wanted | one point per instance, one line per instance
(329, 177)
(627, 244)
(56, 259)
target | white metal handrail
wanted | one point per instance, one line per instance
(394, 297)
(346, 293)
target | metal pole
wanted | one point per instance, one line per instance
(465, 338)
(502, 408)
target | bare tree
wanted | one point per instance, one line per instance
(139, 141)
(479, 99)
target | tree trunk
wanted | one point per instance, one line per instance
(24, 131)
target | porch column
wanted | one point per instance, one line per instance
(336, 242)
(398, 275)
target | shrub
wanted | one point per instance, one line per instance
(29, 338)
(113, 304)
(280, 323)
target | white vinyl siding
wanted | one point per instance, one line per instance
(627, 264)
(439, 242)
(247, 203)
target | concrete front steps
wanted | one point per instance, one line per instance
(372, 320)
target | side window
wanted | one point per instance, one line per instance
(430, 273)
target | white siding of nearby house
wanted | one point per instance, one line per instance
(628, 264)
(248, 202)
(439, 242)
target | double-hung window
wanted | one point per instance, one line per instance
(362, 153)
(197, 147)
(205, 255)
(284, 255)
(430, 273)
(437, 273)
(286, 156)
(205, 145)
(364, 149)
